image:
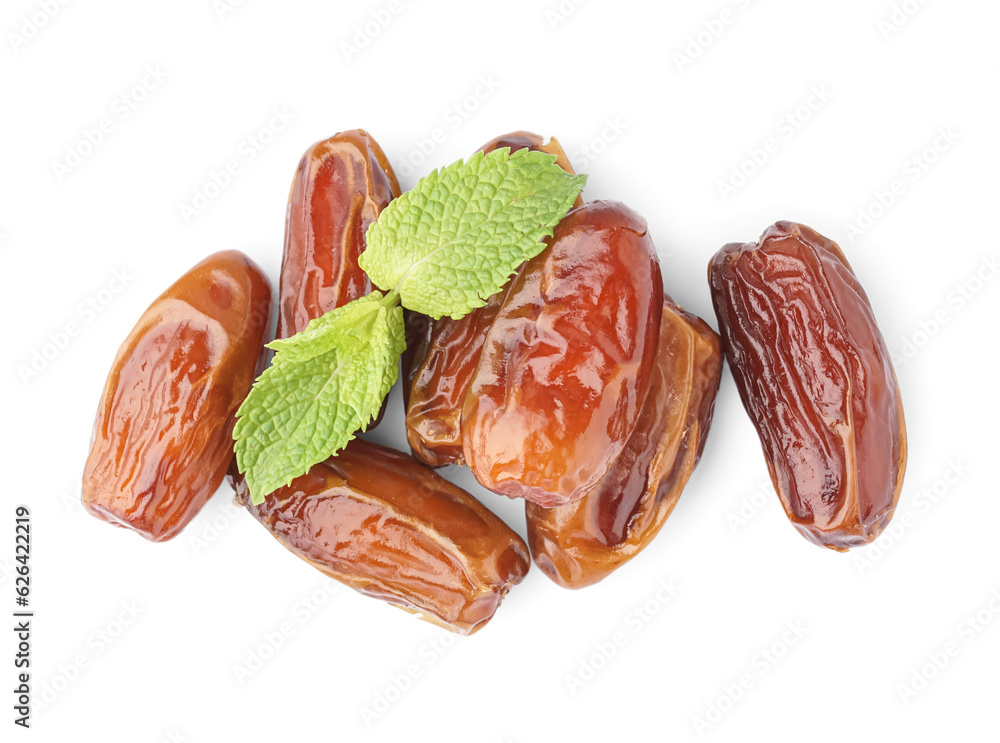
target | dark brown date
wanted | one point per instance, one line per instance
(816, 379)
(438, 372)
(578, 544)
(567, 362)
(378, 521)
(162, 439)
(340, 187)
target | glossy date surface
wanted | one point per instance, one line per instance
(581, 543)
(162, 439)
(378, 521)
(340, 187)
(445, 352)
(816, 379)
(567, 362)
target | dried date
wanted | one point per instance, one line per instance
(340, 187)
(378, 521)
(567, 361)
(816, 379)
(581, 543)
(162, 439)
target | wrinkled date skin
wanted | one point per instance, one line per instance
(340, 187)
(437, 372)
(816, 379)
(378, 521)
(577, 545)
(162, 439)
(440, 384)
(567, 362)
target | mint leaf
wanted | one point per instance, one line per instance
(324, 384)
(455, 239)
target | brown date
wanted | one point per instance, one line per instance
(578, 544)
(816, 379)
(378, 521)
(162, 438)
(340, 187)
(441, 381)
(437, 372)
(567, 362)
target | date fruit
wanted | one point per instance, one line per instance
(445, 352)
(162, 439)
(567, 363)
(578, 544)
(441, 382)
(378, 521)
(816, 379)
(340, 187)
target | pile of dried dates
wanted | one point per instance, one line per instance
(581, 388)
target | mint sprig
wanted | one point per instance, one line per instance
(442, 249)
(324, 384)
(455, 239)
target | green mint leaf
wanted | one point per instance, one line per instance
(324, 384)
(455, 239)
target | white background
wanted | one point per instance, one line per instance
(140, 642)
